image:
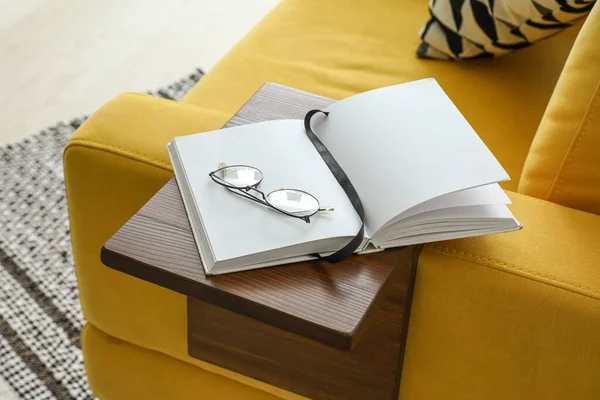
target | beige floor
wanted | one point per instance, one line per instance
(60, 59)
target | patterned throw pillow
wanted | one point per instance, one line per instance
(462, 29)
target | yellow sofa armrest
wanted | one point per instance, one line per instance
(509, 316)
(113, 164)
(563, 164)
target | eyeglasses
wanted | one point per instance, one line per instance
(244, 180)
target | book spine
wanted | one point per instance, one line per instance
(368, 247)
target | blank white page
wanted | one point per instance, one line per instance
(477, 196)
(405, 144)
(443, 220)
(471, 214)
(238, 227)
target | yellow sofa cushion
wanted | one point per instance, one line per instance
(509, 316)
(563, 165)
(337, 48)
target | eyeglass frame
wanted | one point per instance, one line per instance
(245, 192)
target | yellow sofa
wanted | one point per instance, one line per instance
(508, 316)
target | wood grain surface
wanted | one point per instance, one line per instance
(325, 302)
(321, 301)
(371, 370)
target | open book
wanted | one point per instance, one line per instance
(421, 172)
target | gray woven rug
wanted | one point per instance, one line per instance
(40, 314)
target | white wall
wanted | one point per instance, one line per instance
(63, 58)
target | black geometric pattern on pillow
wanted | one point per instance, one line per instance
(467, 29)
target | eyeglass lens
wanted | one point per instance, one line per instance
(293, 202)
(240, 176)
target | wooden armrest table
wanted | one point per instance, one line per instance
(325, 331)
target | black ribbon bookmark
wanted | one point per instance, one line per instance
(345, 183)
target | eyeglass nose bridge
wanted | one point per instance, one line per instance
(247, 189)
